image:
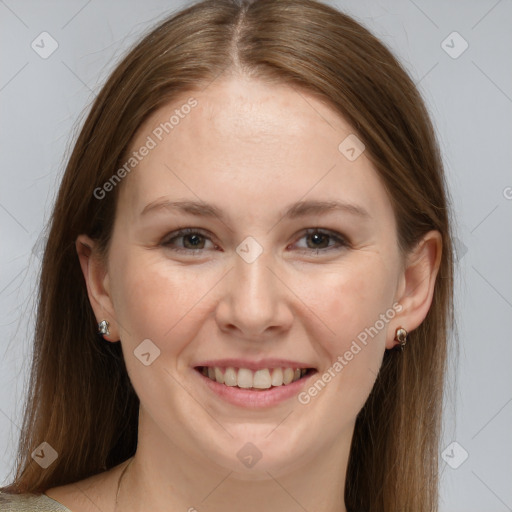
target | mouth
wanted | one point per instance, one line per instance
(263, 379)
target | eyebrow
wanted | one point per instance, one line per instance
(294, 211)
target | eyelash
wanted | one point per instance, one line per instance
(340, 240)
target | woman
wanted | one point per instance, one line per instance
(246, 293)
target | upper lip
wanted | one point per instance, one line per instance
(253, 365)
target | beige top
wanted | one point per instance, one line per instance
(29, 503)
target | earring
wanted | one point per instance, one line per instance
(401, 336)
(103, 327)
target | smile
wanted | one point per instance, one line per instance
(245, 378)
(254, 389)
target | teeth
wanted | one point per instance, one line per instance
(288, 375)
(230, 377)
(261, 379)
(244, 378)
(277, 377)
(218, 376)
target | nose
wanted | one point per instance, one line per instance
(254, 304)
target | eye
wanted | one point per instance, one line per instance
(319, 241)
(192, 240)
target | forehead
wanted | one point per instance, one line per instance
(255, 145)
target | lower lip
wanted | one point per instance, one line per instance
(255, 399)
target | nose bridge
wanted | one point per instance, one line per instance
(253, 291)
(254, 282)
(255, 278)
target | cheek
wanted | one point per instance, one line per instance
(355, 302)
(351, 299)
(159, 300)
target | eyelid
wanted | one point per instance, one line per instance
(180, 232)
(341, 241)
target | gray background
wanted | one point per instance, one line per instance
(43, 101)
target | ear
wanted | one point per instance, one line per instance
(96, 277)
(417, 281)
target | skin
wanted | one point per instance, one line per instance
(251, 149)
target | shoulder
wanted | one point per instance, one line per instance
(29, 503)
(92, 494)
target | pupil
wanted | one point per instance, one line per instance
(317, 237)
(194, 237)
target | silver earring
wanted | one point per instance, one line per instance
(401, 336)
(103, 327)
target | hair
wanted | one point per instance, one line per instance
(80, 399)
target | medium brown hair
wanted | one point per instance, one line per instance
(80, 398)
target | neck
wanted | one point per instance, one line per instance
(175, 479)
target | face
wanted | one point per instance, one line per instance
(262, 279)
